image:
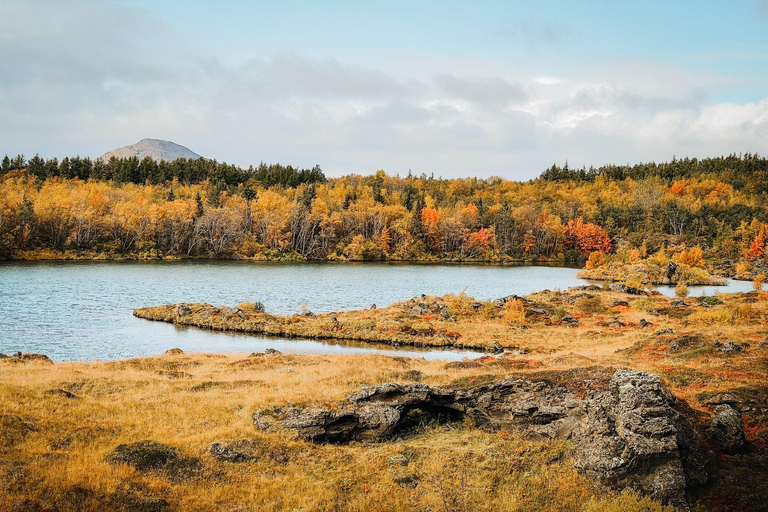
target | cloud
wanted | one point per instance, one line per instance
(85, 77)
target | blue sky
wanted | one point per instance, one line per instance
(455, 88)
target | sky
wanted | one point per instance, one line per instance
(475, 88)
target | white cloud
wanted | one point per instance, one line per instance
(86, 77)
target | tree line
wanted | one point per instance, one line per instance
(147, 170)
(277, 213)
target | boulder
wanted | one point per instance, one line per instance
(622, 288)
(246, 450)
(18, 357)
(173, 352)
(509, 298)
(182, 310)
(569, 321)
(730, 347)
(672, 270)
(727, 430)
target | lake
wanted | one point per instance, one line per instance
(82, 311)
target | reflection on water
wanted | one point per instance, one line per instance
(83, 310)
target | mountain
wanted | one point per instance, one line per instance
(155, 148)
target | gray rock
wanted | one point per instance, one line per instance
(408, 481)
(727, 430)
(182, 310)
(246, 450)
(723, 398)
(173, 352)
(672, 269)
(617, 303)
(622, 288)
(569, 321)
(230, 312)
(678, 303)
(397, 460)
(731, 347)
(509, 298)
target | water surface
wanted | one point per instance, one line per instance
(82, 311)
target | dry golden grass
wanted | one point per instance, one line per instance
(60, 465)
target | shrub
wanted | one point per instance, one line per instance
(693, 257)
(743, 268)
(596, 259)
(589, 305)
(758, 282)
(681, 290)
(251, 307)
(514, 312)
(646, 305)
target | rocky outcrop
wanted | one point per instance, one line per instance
(18, 357)
(626, 433)
(727, 430)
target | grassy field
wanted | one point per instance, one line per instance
(59, 422)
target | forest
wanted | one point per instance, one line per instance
(126, 208)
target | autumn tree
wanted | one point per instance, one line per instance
(586, 237)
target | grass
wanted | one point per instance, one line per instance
(60, 422)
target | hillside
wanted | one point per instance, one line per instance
(159, 150)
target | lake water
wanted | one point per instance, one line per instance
(82, 311)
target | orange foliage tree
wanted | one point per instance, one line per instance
(586, 237)
(693, 257)
(757, 247)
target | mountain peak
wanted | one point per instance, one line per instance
(155, 148)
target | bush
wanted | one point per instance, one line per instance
(681, 290)
(646, 305)
(251, 307)
(514, 312)
(596, 259)
(589, 305)
(758, 282)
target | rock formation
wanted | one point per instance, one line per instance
(626, 433)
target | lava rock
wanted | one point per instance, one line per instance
(247, 450)
(622, 288)
(731, 347)
(727, 430)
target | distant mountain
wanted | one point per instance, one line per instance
(155, 148)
